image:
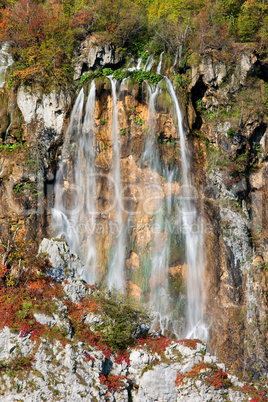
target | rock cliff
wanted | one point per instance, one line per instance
(226, 119)
(61, 367)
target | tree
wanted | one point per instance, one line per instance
(251, 18)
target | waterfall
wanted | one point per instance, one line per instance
(5, 61)
(149, 63)
(158, 70)
(137, 67)
(74, 210)
(192, 228)
(116, 265)
(150, 157)
(160, 300)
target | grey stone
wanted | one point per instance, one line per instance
(64, 264)
(158, 384)
(48, 111)
(93, 55)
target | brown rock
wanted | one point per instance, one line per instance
(134, 290)
(133, 262)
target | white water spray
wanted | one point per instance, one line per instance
(5, 61)
(192, 228)
(74, 211)
(158, 70)
(116, 265)
(160, 300)
(149, 63)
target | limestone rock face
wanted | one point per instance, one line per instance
(93, 55)
(235, 196)
(64, 264)
(75, 372)
(158, 384)
(46, 112)
(235, 215)
(213, 73)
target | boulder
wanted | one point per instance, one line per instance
(64, 264)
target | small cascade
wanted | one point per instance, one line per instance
(74, 210)
(192, 228)
(139, 64)
(158, 70)
(5, 61)
(149, 63)
(137, 67)
(175, 61)
(150, 157)
(116, 265)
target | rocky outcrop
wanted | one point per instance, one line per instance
(233, 139)
(71, 370)
(92, 55)
(77, 373)
(43, 113)
(63, 264)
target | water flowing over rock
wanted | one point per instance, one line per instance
(193, 239)
(77, 189)
(160, 191)
(5, 61)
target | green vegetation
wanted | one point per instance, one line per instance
(120, 74)
(231, 132)
(10, 148)
(121, 318)
(45, 33)
(139, 121)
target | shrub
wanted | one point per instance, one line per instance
(113, 382)
(156, 345)
(214, 375)
(121, 318)
(190, 343)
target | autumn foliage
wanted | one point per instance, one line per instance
(212, 374)
(113, 382)
(45, 34)
(154, 344)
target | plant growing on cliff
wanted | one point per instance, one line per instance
(122, 317)
(211, 373)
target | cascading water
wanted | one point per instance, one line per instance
(192, 228)
(116, 265)
(5, 61)
(149, 63)
(158, 70)
(74, 210)
(138, 66)
(160, 299)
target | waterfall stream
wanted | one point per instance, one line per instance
(74, 214)
(5, 61)
(158, 70)
(192, 228)
(159, 288)
(74, 210)
(116, 266)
